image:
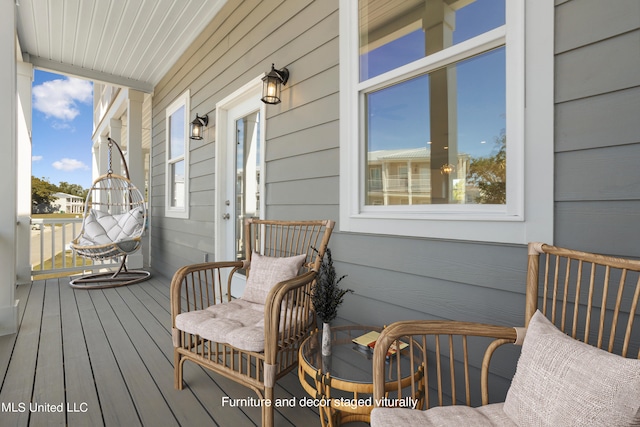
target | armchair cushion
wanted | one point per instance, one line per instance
(562, 381)
(265, 272)
(454, 416)
(238, 322)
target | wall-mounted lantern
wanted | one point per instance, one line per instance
(272, 85)
(197, 126)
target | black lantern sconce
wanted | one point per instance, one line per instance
(272, 85)
(197, 126)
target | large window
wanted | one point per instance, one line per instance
(433, 135)
(177, 158)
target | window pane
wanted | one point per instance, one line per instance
(178, 123)
(439, 137)
(177, 184)
(247, 176)
(393, 34)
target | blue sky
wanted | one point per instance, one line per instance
(62, 129)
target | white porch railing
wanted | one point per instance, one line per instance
(51, 251)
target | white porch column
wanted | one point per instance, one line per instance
(100, 159)
(103, 156)
(23, 236)
(133, 156)
(8, 141)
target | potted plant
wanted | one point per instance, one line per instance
(326, 297)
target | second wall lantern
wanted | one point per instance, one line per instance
(272, 85)
(197, 126)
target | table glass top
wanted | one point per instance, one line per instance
(348, 361)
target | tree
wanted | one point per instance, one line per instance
(41, 195)
(74, 189)
(489, 174)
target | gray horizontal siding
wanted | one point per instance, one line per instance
(503, 266)
(599, 174)
(598, 121)
(597, 128)
(589, 21)
(309, 191)
(598, 68)
(609, 227)
(317, 138)
(318, 164)
(322, 111)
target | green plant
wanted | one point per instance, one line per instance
(326, 296)
(489, 174)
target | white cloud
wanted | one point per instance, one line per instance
(69, 165)
(59, 98)
(36, 158)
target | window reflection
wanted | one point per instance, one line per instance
(439, 138)
(177, 184)
(247, 175)
(396, 33)
(177, 135)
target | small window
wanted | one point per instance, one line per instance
(177, 158)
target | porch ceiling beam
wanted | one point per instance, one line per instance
(72, 70)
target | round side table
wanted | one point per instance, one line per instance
(341, 384)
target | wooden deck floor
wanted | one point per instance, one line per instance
(105, 358)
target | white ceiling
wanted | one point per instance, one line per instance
(129, 43)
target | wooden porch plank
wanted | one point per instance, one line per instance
(17, 387)
(79, 379)
(143, 390)
(161, 293)
(48, 386)
(115, 401)
(288, 387)
(156, 295)
(7, 342)
(149, 339)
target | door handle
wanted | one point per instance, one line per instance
(226, 216)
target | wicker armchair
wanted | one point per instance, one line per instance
(559, 379)
(233, 337)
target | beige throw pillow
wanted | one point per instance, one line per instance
(266, 272)
(560, 381)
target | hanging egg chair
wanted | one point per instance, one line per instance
(114, 221)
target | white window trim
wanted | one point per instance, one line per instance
(529, 215)
(170, 211)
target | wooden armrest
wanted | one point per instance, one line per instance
(443, 327)
(415, 333)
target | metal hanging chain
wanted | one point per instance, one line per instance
(124, 161)
(110, 170)
(124, 165)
